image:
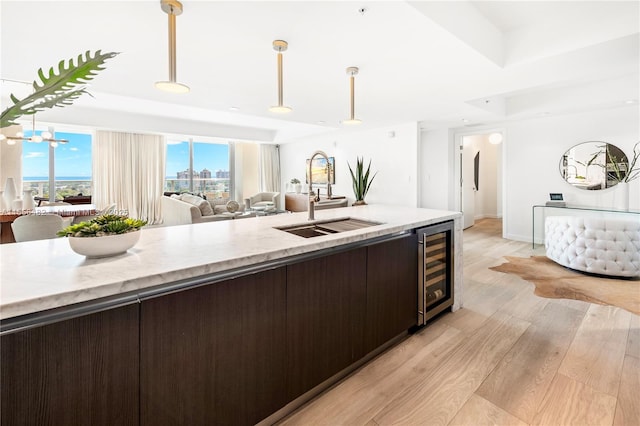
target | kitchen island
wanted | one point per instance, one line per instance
(224, 322)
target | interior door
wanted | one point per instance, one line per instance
(467, 185)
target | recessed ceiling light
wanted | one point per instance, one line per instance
(630, 101)
(233, 108)
(464, 120)
(321, 122)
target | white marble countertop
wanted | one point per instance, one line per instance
(40, 275)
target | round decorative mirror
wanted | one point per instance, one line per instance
(594, 165)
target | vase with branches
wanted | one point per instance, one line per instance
(630, 172)
(360, 180)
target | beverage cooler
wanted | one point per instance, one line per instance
(435, 270)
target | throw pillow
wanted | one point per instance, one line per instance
(202, 204)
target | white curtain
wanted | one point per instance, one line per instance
(128, 171)
(269, 168)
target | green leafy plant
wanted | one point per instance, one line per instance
(633, 171)
(57, 89)
(104, 225)
(295, 181)
(360, 179)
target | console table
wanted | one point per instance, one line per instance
(543, 207)
(294, 202)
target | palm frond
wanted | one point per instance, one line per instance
(57, 89)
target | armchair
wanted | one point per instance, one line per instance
(262, 198)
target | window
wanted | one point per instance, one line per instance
(200, 167)
(72, 165)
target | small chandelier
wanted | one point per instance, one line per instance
(172, 8)
(45, 136)
(352, 72)
(280, 46)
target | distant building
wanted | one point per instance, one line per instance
(205, 174)
(185, 174)
(222, 174)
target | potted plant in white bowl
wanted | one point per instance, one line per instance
(103, 236)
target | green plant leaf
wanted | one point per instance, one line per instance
(360, 178)
(107, 224)
(633, 172)
(57, 89)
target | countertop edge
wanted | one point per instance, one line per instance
(141, 284)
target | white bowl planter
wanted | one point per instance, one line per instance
(110, 245)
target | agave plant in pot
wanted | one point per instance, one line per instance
(360, 180)
(103, 236)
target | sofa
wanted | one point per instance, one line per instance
(187, 209)
(599, 246)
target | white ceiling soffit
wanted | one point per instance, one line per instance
(464, 21)
(419, 61)
(511, 32)
(610, 60)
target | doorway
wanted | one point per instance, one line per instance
(480, 186)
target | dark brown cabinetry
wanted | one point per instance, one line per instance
(215, 354)
(82, 371)
(392, 293)
(325, 317)
(228, 352)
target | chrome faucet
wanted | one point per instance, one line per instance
(312, 196)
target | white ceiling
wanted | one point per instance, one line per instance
(432, 62)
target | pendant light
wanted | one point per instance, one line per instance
(172, 8)
(352, 72)
(280, 46)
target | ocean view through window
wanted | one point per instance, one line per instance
(71, 171)
(198, 167)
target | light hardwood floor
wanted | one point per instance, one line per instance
(507, 358)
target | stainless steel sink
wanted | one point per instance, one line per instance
(321, 228)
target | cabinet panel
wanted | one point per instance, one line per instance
(392, 291)
(215, 354)
(325, 317)
(82, 371)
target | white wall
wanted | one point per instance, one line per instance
(533, 149)
(486, 197)
(531, 152)
(245, 170)
(436, 163)
(11, 161)
(392, 151)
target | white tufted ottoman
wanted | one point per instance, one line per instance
(598, 246)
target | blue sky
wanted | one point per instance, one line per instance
(211, 156)
(74, 158)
